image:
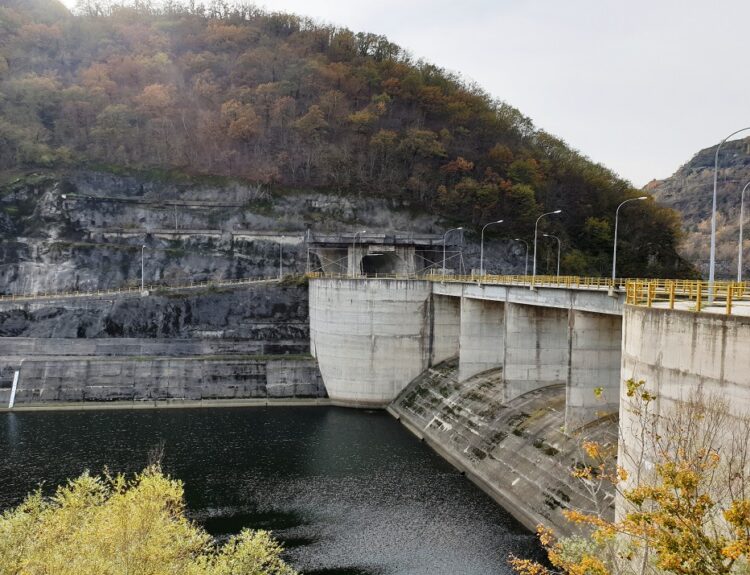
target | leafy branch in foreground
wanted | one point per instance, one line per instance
(114, 525)
(681, 487)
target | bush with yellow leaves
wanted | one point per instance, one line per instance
(683, 503)
(113, 525)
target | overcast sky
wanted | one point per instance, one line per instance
(638, 85)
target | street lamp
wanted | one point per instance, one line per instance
(558, 251)
(281, 261)
(143, 247)
(354, 245)
(536, 227)
(712, 259)
(742, 218)
(481, 248)
(526, 265)
(445, 235)
(614, 249)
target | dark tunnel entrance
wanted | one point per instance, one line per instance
(381, 263)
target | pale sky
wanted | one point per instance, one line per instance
(638, 85)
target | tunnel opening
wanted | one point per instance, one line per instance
(384, 263)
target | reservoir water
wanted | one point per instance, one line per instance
(348, 492)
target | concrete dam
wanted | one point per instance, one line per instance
(505, 382)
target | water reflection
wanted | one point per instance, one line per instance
(349, 492)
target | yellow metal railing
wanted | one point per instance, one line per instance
(569, 282)
(693, 295)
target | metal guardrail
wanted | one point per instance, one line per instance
(694, 293)
(568, 282)
(135, 289)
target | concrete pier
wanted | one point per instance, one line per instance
(482, 336)
(536, 353)
(371, 338)
(445, 328)
(593, 383)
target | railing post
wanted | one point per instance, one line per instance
(698, 296)
(729, 299)
(671, 295)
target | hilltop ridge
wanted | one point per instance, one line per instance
(689, 191)
(280, 101)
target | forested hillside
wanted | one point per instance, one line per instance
(282, 101)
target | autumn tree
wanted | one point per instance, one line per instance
(119, 525)
(683, 502)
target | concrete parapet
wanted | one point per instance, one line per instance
(371, 338)
(482, 336)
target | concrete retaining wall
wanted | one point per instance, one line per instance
(95, 379)
(31, 347)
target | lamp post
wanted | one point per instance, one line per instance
(354, 245)
(742, 218)
(281, 262)
(536, 228)
(445, 235)
(526, 265)
(481, 248)
(712, 258)
(614, 248)
(558, 251)
(143, 247)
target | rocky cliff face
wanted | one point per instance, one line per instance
(85, 230)
(246, 342)
(266, 313)
(690, 191)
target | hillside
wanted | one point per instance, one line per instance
(277, 101)
(689, 191)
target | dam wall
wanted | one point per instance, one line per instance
(516, 451)
(372, 337)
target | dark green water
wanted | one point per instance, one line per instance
(348, 492)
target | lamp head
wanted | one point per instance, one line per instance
(516, 239)
(557, 211)
(459, 228)
(643, 198)
(499, 222)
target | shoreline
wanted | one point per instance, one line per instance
(170, 404)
